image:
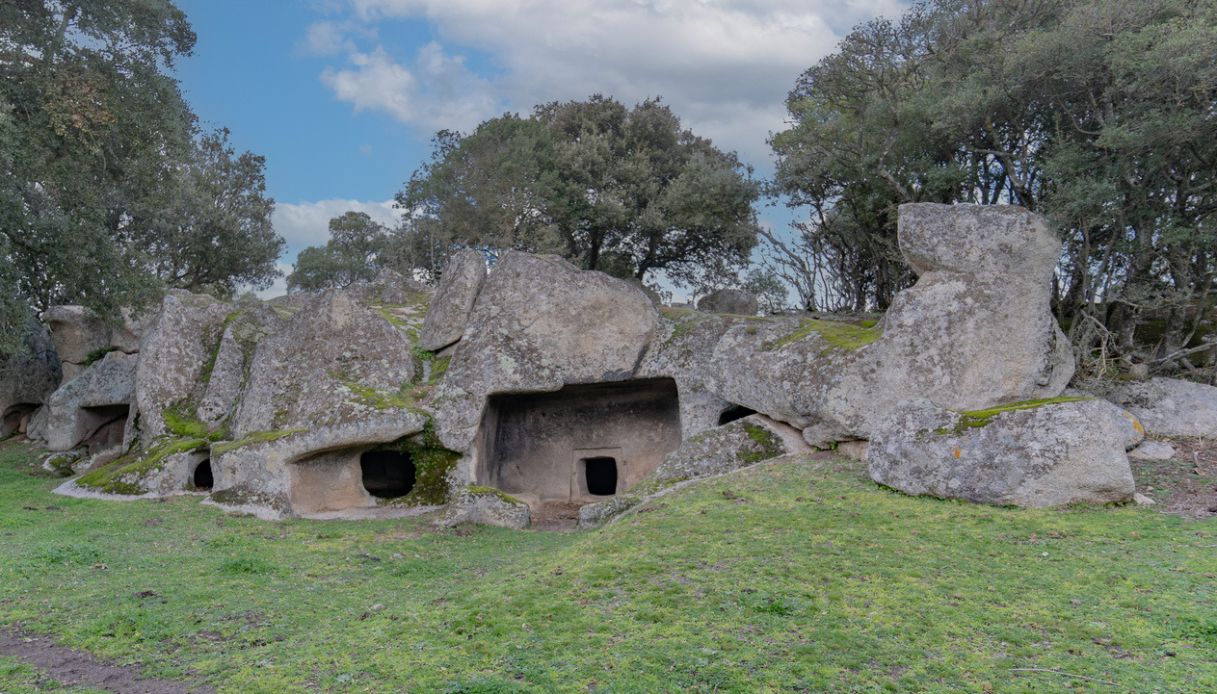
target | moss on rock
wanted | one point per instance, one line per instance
(839, 335)
(121, 475)
(977, 419)
(253, 438)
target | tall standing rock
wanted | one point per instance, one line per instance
(175, 356)
(975, 331)
(453, 301)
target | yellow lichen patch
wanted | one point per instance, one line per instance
(839, 335)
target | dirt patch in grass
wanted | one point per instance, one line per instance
(1185, 485)
(555, 515)
(72, 668)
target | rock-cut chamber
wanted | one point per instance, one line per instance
(581, 442)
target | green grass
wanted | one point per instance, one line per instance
(794, 576)
(838, 334)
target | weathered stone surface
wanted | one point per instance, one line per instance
(736, 301)
(723, 449)
(243, 331)
(1152, 451)
(175, 355)
(103, 385)
(716, 451)
(684, 351)
(27, 378)
(335, 361)
(77, 333)
(1171, 407)
(963, 339)
(1049, 455)
(540, 323)
(259, 472)
(485, 506)
(1003, 242)
(453, 300)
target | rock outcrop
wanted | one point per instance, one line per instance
(540, 323)
(1171, 407)
(318, 402)
(1024, 454)
(27, 378)
(176, 357)
(81, 337)
(975, 331)
(100, 395)
(453, 301)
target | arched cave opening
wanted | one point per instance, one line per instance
(103, 426)
(387, 474)
(16, 418)
(733, 413)
(601, 475)
(203, 479)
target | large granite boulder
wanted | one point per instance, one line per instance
(540, 323)
(736, 301)
(453, 301)
(334, 361)
(99, 395)
(1171, 407)
(684, 351)
(27, 378)
(975, 331)
(78, 334)
(244, 329)
(1024, 454)
(176, 357)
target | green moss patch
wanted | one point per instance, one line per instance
(439, 367)
(97, 355)
(977, 419)
(116, 477)
(181, 421)
(432, 463)
(763, 445)
(406, 397)
(839, 335)
(478, 490)
(254, 438)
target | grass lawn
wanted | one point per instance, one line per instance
(796, 576)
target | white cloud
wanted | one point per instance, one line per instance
(327, 38)
(307, 223)
(725, 66)
(437, 92)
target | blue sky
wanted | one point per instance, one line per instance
(343, 96)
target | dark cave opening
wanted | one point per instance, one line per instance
(733, 413)
(203, 479)
(387, 474)
(601, 476)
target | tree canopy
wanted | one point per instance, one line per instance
(1096, 113)
(355, 252)
(628, 191)
(107, 193)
